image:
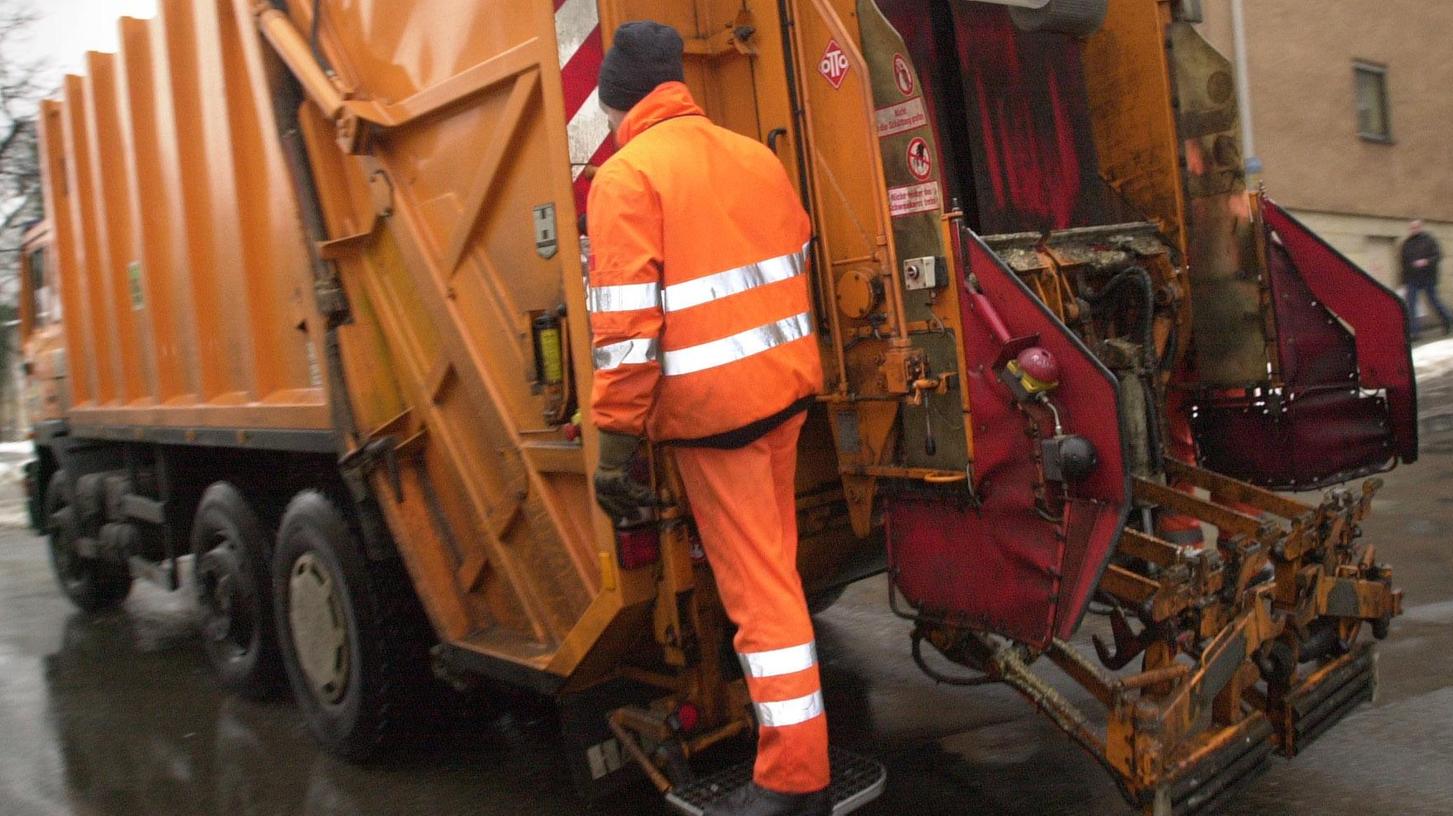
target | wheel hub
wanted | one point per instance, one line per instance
(220, 591)
(319, 628)
(68, 563)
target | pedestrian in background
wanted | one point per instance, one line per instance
(1420, 257)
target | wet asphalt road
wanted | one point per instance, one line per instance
(117, 715)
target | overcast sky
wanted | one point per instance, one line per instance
(70, 28)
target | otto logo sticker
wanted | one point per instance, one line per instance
(902, 75)
(919, 163)
(834, 65)
(901, 118)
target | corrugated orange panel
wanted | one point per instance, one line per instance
(185, 273)
(272, 255)
(59, 212)
(113, 227)
(89, 307)
(205, 183)
(167, 309)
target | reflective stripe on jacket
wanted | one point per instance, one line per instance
(698, 291)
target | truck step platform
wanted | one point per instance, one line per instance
(856, 781)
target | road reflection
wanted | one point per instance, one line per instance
(142, 730)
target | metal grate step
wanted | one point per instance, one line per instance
(856, 781)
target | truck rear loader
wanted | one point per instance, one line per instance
(307, 328)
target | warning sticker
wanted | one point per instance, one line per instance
(919, 162)
(834, 64)
(133, 279)
(915, 198)
(901, 118)
(902, 76)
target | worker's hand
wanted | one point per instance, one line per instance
(617, 493)
(1421, 263)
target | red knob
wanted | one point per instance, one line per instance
(1039, 364)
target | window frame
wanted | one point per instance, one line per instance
(1384, 99)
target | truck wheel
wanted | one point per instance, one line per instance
(339, 625)
(233, 582)
(91, 584)
(34, 509)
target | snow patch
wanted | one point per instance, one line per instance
(1433, 359)
(13, 456)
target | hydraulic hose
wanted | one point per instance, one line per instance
(1152, 362)
(1146, 289)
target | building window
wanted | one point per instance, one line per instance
(1372, 108)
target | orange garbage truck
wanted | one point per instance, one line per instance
(310, 308)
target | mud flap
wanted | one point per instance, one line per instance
(1001, 564)
(598, 764)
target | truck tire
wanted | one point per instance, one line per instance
(91, 584)
(34, 501)
(232, 578)
(342, 626)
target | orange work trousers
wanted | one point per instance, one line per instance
(745, 504)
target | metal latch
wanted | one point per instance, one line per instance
(921, 273)
(380, 451)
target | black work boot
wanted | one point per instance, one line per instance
(754, 800)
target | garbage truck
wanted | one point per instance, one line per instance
(307, 317)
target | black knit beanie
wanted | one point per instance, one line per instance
(644, 55)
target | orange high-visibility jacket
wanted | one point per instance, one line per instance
(698, 290)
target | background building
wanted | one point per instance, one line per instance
(1350, 104)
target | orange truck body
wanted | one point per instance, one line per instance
(192, 313)
(176, 237)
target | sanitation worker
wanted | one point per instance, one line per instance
(703, 342)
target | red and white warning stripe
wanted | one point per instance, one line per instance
(577, 33)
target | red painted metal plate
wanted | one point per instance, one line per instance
(1348, 404)
(1002, 566)
(1375, 314)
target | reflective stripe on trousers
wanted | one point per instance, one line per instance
(780, 663)
(782, 713)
